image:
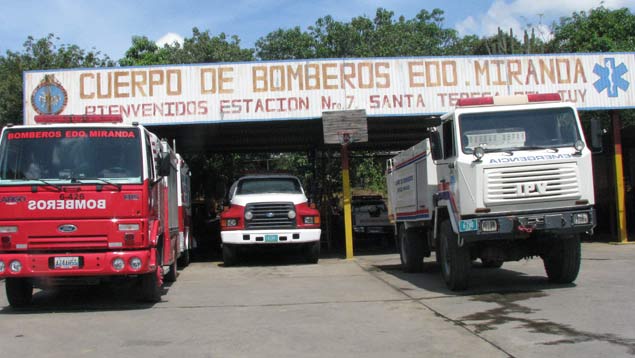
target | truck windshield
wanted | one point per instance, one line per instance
(58, 155)
(269, 185)
(518, 130)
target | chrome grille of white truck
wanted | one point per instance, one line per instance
(270, 216)
(531, 183)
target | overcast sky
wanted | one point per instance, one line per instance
(108, 26)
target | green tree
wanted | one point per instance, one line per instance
(286, 45)
(144, 52)
(504, 44)
(38, 54)
(598, 30)
(382, 36)
(202, 47)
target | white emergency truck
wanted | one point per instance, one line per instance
(500, 179)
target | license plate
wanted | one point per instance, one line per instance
(271, 238)
(66, 262)
(468, 225)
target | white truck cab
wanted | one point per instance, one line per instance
(500, 179)
(269, 209)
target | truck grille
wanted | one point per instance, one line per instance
(68, 243)
(531, 183)
(270, 216)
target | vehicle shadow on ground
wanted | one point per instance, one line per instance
(272, 256)
(482, 280)
(100, 298)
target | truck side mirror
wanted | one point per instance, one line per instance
(164, 165)
(596, 135)
(436, 149)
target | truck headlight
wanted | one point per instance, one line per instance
(291, 214)
(311, 220)
(489, 225)
(2, 267)
(580, 218)
(15, 266)
(135, 263)
(249, 215)
(118, 264)
(231, 222)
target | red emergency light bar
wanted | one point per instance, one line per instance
(503, 100)
(474, 101)
(82, 118)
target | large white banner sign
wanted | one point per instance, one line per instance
(304, 89)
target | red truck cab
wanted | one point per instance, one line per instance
(84, 199)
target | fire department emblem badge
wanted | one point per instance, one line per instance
(49, 97)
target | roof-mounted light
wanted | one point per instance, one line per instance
(474, 101)
(508, 100)
(85, 118)
(544, 97)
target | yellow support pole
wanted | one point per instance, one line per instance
(622, 235)
(346, 191)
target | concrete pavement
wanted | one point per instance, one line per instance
(276, 306)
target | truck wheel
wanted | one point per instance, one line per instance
(150, 288)
(455, 260)
(491, 263)
(19, 292)
(410, 250)
(184, 260)
(562, 263)
(172, 273)
(312, 252)
(229, 255)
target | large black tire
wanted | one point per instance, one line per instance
(19, 292)
(455, 260)
(492, 263)
(172, 272)
(184, 260)
(312, 252)
(150, 288)
(229, 255)
(562, 263)
(410, 249)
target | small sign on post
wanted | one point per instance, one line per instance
(340, 125)
(344, 128)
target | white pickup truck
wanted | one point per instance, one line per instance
(269, 209)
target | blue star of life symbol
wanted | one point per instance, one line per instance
(610, 77)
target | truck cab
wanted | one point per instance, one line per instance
(271, 210)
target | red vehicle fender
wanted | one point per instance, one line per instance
(153, 239)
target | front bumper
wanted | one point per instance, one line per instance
(523, 225)
(90, 264)
(246, 237)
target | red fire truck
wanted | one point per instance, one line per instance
(86, 199)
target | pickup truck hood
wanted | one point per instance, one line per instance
(243, 200)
